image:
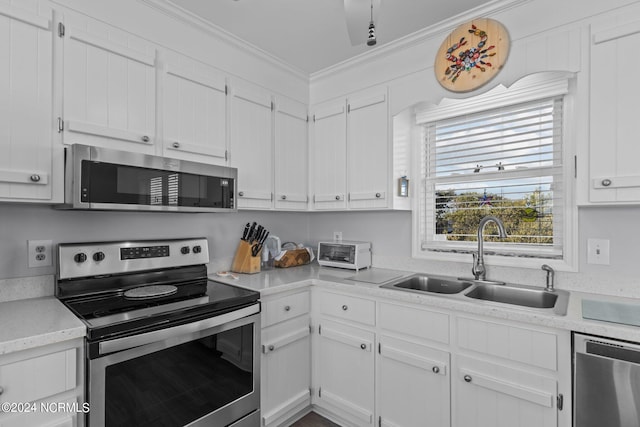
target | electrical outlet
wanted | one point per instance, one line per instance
(337, 236)
(40, 253)
(598, 251)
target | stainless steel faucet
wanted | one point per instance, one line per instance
(479, 271)
(550, 277)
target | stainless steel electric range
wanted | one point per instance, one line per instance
(165, 346)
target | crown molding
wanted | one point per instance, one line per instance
(174, 11)
(490, 8)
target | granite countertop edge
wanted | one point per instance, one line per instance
(274, 282)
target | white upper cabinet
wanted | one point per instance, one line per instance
(109, 86)
(368, 150)
(195, 111)
(26, 101)
(614, 150)
(351, 152)
(329, 156)
(251, 145)
(291, 155)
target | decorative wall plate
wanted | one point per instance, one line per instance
(473, 54)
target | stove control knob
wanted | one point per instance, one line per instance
(197, 249)
(185, 250)
(80, 257)
(98, 256)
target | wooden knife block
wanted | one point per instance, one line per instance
(243, 262)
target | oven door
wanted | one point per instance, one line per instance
(201, 373)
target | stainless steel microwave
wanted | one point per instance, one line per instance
(105, 179)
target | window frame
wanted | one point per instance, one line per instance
(533, 87)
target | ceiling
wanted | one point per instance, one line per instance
(311, 35)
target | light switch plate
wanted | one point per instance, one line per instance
(598, 251)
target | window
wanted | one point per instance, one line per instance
(503, 159)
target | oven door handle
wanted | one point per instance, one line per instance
(125, 343)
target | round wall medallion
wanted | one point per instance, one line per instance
(471, 55)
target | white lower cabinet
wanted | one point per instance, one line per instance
(43, 386)
(346, 371)
(413, 384)
(492, 394)
(286, 358)
(394, 364)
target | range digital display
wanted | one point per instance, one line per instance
(144, 252)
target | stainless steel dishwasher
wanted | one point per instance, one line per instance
(606, 382)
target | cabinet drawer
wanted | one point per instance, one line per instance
(415, 322)
(38, 377)
(525, 345)
(285, 308)
(348, 308)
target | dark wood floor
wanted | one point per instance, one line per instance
(313, 420)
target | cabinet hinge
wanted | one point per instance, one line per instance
(60, 29)
(560, 402)
(60, 125)
(226, 90)
(272, 106)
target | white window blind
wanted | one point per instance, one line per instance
(505, 162)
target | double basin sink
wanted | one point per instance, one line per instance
(552, 302)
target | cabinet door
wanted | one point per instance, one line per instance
(413, 385)
(368, 155)
(490, 394)
(286, 370)
(291, 155)
(251, 147)
(614, 150)
(329, 156)
(345, 369)
(109, 86)
(195, 111)
(25, 101)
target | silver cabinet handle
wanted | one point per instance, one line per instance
(345, 308)
(287, 308)
(467, 378)
(240, 193)
(378, 195)
(145, 138)
(283, 197)
(176, 144)
(271, 347)
(338, 197)
(363, 346)
(435, 369)
(606, 182)
(35, 177)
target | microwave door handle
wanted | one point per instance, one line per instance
(120, 344)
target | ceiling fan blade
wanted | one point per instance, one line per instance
(358, 14)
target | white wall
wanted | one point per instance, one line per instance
(22, 222)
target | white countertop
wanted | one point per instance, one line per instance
(35, 322)
(281, 280)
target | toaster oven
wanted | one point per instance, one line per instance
(351, 255)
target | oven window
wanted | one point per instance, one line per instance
(121, 184)
(181, 384)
